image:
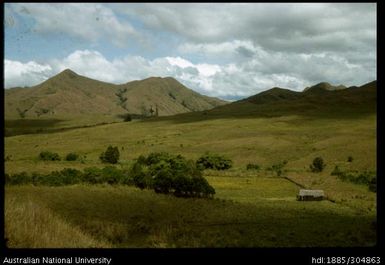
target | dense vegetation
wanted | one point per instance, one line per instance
(214, 161)
(368, 178)
(166, 173)
(162, 172)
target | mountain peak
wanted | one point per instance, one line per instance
(68, 72)
(323, 86)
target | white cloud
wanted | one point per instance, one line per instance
(25, 74)
(88, 21)
(208, 69)
(274, 26)
(178, 61)
(263, 70)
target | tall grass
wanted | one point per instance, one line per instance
(128, 217)
(30, 224)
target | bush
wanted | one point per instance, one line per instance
(368, 178)
(111, 155)
(350, 159)
(72, 157)
(18, 179)
(251, 166)
(112, 175)
(214, 161)
(278, 168)
(49, 156)
(128, 117)
(92, 175)
(67, 176)
(318, 165)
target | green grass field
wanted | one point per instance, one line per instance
(250, 209)
(248, 215)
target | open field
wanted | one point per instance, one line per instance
(264, 141)
(251, 208)
(120, 216)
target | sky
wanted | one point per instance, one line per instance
(225, 50)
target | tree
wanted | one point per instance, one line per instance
(318, 165)
(111, 155)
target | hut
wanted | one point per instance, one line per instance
(310, 195)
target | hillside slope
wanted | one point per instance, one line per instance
(69, 93)
(320, 99)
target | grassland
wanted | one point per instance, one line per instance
(251, 209)
(128, 217)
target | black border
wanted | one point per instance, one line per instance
(236, 255)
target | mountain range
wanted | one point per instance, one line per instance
(320, 99)
(68, 93)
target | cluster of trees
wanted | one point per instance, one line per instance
(162, 172)
(70, 176)
(167, 173)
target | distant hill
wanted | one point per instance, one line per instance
(321, 99)
(323, 86)
(69, 93)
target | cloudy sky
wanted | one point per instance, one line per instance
(224, 50)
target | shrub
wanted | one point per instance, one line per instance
(111, 155)
(318, 165)
(19, 179)
(251, 166)
(350, 159)
(92, 175)
(214, 161)
(72, 157)
(128, 117)
(139, 176)
(70, 176)
(278, 168)
(49, 156)
(112, 175)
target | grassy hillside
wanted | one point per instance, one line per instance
(324, 86)
(247, 216)
(71, 94)
(252, 208)
(312, 103)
